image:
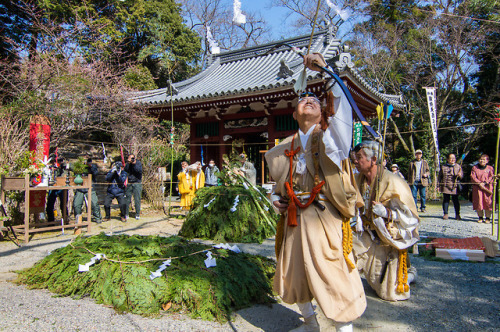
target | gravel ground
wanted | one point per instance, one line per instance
(448, 296)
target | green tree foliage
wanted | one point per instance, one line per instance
(123, 279)
(139, 78)
(149, 31)
(15, 25)
(407, 45)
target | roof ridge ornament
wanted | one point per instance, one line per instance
(332, 33)
(171, 88)
(344, 58)
(284, 70)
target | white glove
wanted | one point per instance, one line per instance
(359, 223)
(379, 210)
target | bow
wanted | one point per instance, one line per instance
(353, 104)
(337, 79)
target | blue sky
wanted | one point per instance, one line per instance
(275, 17)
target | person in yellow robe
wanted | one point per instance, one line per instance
(185, 186)
(197, 177)
(313, 247)
(387, 226)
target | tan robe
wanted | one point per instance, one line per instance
(311, 263)
(372, 254)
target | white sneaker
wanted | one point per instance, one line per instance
(137, 217)
(310, 325)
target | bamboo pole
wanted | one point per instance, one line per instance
(495, 189)
(171, 149)
(380, 169)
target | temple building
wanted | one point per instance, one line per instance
(248, 95)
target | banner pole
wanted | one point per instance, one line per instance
(495, 187)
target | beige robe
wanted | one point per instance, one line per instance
(311, 263)
(372, 250)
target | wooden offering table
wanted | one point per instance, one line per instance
(24, 184)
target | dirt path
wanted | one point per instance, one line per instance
(448, 296)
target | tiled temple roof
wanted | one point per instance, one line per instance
(252, 71)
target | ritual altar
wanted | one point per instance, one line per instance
(61, 183)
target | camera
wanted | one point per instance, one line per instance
(132, 159)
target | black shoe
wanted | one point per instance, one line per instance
(106, 219)
(457, 217)
(423, 210)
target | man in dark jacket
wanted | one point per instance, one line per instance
(134, 186)
(57, 166)
(116, 189)
(81, 194)
(418, 178)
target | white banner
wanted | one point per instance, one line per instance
(431, 104)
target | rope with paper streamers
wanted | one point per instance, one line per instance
(122, 280)
(98, 143)
(209, 262)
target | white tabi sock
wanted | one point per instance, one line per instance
(343, 327)
(306, 309)
(412, 274)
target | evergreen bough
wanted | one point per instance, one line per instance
(238, 281)
(253, 221)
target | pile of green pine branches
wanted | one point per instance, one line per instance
(253, 218)
(122, 279)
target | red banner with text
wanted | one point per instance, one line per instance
(40, 144)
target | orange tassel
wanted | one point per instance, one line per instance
(402, 285)
(347, 242)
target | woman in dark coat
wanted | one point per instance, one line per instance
(449, 175)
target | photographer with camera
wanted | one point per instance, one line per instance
(116, 189)
(134, 186)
